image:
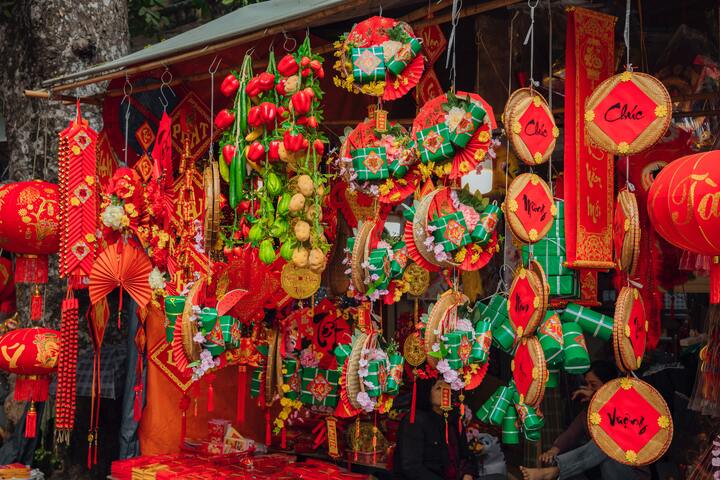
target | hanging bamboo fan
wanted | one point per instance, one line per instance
(211, 180)
(627, 232)
(441, 319)
(123, 266)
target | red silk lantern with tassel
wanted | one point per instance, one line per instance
(31, 354)
(29, 222)
(684, 208)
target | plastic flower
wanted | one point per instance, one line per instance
(156, 279)
(443, 366)
(112, 216)
(367, 403)
(453, 118)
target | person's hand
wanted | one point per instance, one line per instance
(584, 394)
(547, 457)
(467, 477)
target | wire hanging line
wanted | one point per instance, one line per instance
(127, 91)
(214, 65)
(165, 80)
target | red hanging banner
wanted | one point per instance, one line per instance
(588, 179)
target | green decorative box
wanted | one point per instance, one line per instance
(319, 387)
(560, 206)
(368, 64)
(592, 322)
(503, 401)
(489, 219)
(528, 417)
(174, 306)
(434, 144)
(214, 341)
(461, 130)
(498, 303)
(549, 247)
(483, 414)
(553, 265)
(370, 163)
(459, 347)
(398, 169)
(342, 352)
(399, 261)
(565, 285)
(292, 378)
(481, 345)
(577, 359)
(451, 231)
(397, 63)
(374, 382)
(208, 317)
(532, 435)
(510, 430)
(256, 381)
(394, 378)
(231, 331)
(550, 335)
(503, 336)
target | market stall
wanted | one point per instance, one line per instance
(307, 209)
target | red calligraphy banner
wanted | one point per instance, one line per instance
(588, 179)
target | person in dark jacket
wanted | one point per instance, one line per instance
(422, 452)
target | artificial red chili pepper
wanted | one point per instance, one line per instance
(255, 151)
(281, 112)
(310, 92)
(274, 150)
(305, 62)
(255, 118)
(287, 66)
(312, 122)
(305, 72)
(268, 111)
(301, 102)
(224, 119)
(305, 144)
(253, 87)
(293, 141)
(280, 87)
(320, 73)
(319, 147)
(229, 86)
(315, 65)
(266, 81)
(228, 153)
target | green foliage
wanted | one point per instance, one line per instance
(154, 17)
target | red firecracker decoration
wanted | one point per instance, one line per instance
(67, 367)
(78, 200)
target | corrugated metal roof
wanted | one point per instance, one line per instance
(245, 20)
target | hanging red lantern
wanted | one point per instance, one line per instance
(31, 354)
(684, 208)
(29, 226)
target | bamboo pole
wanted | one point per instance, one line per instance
(64, 98)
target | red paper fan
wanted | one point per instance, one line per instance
(396, 87)
(471, 263)
(413, 252)
(126, 267)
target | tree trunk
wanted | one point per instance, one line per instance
(41, 40)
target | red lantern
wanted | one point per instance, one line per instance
(29, 226)
(684, 207)
(31, 354)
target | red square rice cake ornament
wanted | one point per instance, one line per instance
(629, 420)
(532, 131)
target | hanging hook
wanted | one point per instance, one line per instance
(127, 91)
(288, 38)
(212, 70)
(380, 14)
(165, 80)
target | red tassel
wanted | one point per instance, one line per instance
(413, 403)
(447, 438)
(268, 430)
(242, 388)
(120, 306)
(137, 411)
(283, 439)
(36, 305)
(211, 398)
(32, 388)
(715, 281)
(31, 422)
(31, 269)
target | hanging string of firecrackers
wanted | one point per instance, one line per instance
(78, 201)
(67, 366)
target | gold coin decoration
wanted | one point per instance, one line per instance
(299, 283)
(417, 278)
(414, 350)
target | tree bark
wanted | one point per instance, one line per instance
(43, 39)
